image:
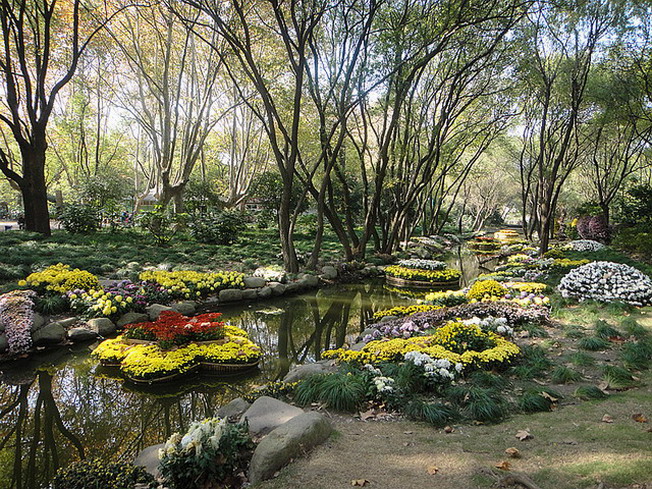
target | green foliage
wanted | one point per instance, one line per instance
(536, 400)
(79, 218)
(634, 329)
(605, 331)
(479, 403)
(535, 331)
(482, 378)
(217, 227)
(435, 413)
(534, 363)
(588, 392)
(49, 304)
(582, 359)
(593, 343)
(97, 474)
(618, 377)
(213, 464)
(161, 224)
(574, 332)
(564, 375)
(637, 355)
(342, 392)
(634, 240)
(635, 206)
(277, 390)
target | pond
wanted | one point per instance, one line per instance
(62, 406)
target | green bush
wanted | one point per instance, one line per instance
(79, 218)
(218, 227)
(96, 474)
(161, 224)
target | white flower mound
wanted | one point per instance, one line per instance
(584, 245)
(605, 281)
(423, 264)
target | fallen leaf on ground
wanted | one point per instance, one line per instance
(367, 415)
(639, 418)
(603, 386)
(607, 419)
(408, 432)
(432, 469)
(545, 395)
(359, 482)
(448, 429)
(513, 452)
(503, 465)
(523, 435)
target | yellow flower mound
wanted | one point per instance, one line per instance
(484, 289)
(437, 346)
(189, 284)
(422, 275)
(529, 287)
(405, 310)
(149, 361)
(60, 278)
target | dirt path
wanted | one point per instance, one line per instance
(571, 448)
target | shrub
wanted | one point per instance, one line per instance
(79, 218)
(97, 474)
(593, 228)
(435, 413)
(212, 452)
(218, 227)
(486, 288)
(161, 224)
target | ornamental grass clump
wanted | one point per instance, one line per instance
(537, 400)
(17, 316)
(212, 453)
(604, 281)
(344, 392)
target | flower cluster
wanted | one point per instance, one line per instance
(422, 275)
(507, 236)
(441, 370)
(112, 351)
(485, 289)
(583, 245)
(96, 303)
(446, 298)
(61, 279)
(453, 342)
(382, 384)
(493, 324)
(172, 328)
(401, 311)
(17, 316)
(484, 245)
(607, 282)
(528, 287)
(189, 284)
(421, 264)
(565, 264)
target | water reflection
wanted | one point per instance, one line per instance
(61, 406)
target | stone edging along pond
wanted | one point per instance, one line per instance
(63, 331)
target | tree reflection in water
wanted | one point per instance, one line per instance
(74, 409)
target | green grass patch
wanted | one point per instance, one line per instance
(593, 343)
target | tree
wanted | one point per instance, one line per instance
(42, 43)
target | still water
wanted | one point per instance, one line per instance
(61, 406)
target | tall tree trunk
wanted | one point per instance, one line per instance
(34, 189)
(290, 261)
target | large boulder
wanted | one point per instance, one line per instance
(267, 413)
(234, 409)
(37, 322)
(77, 335)
(155, 310)
(50, 334)
(264, 293)
(249, 295)
(286, 442)
(329, 272)
(102, 326)
(130, 318)
(254, 282)
(230, 295)
(277, 288)
(309, 281)
(185, 307)
(148, 458)
(302, 372)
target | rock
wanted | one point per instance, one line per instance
(4, 344)
(329, 272)
(102, 326)
(185, 307)
(68, 322)
(230, 295)
(386, 319)
(264, 293)
(234, 409)
(130, 318)
(293, 288)
(254, 282)
(249, 295)
(277, 288)
(38, 322)
(50, 334)
(301, 372)
(77, 335)
(148, 458)
(286, 442)
(358, 346)
(309, 281)
(271, 275)
(155, 310)
(267, 413)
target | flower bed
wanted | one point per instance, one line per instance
(17, 316)
(583, 245)
(420, 264)
(507, 236)
(456, 342)
(484, 245)
(413, 277)
(607, 282)
(172, 328)
(189, 284)
(486, 289)
(61, 279)
(401, 311)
